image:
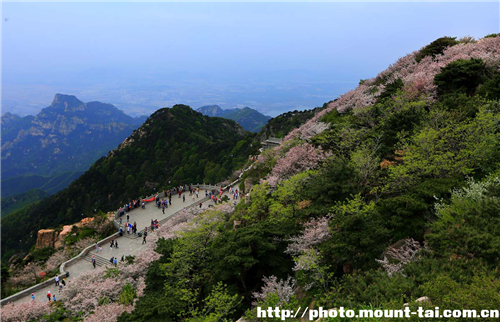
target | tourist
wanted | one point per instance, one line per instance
(64, 281)
(128, 217)
(54, 297)
(183, 198)
(32, 296)
(111, 260)
(96, 248)
(116, 244)
(57, 280)
(144, 238)
(112, 244)
(115, 261)
(48, 295)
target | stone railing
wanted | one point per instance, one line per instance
(64, 266)
(27, 292)
(202, 186)
(63, 269)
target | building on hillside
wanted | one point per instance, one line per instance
(270, 143)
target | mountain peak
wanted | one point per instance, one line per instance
(68, 102)
(211, 110)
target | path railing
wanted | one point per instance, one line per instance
(63, 269)
(203, 186)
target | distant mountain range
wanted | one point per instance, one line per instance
(251, 120)
(64, 138)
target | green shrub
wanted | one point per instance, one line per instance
(436, 47)
(127, 295)
(462, 76)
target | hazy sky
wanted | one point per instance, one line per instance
(142, 56)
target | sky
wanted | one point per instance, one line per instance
(274, 57)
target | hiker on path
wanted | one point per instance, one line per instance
(144, 238)
(96, 248)
(57, 280)
(112, 244)
(32, 296)
(48, 295)
(183, 198)
(64, 282)
(116, 244)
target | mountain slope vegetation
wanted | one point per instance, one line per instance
(388, 196)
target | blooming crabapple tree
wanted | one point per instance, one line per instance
(408, 253)
(306, 257)
(300, 158)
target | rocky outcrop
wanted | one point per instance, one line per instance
(62, 235)
(45, 238)
(84, 222)
(52, 238)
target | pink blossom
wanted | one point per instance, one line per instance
(418, 78)
(27, 276)
(307, 260)
(404, 255)
(109, 312)
(315, 231)
(300, 158)
(25, 311)
(56, 260)
(284, 289)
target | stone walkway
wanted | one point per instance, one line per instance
(127, 245)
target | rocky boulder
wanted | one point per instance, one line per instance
(62, 235)
(45, 238)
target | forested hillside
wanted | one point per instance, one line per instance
(174, 146)
(282, 124)
(387, 195)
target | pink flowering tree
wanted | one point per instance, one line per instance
(315, 231)
(298, 159)
(307, 259)
(283, 289)
(27, 276)
(26, 311)
(55, 260)
(396, 258)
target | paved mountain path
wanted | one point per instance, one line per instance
(126, 245)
